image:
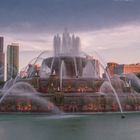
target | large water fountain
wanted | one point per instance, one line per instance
(70, 81)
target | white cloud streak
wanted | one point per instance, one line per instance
(111, 42)
(126, 36)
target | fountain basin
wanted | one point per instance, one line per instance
(71, 102)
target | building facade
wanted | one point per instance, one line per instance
(115, 68)
(12, 61)
(2, 59)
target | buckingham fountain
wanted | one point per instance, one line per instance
(69, 81)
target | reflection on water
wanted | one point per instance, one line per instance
(69, 127)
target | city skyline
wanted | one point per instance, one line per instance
(12, 61)
(112, 28)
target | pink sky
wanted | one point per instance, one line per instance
(118, 44)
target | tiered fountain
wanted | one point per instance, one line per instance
(72, 81)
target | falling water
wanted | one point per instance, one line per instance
(26, 90)
(108, 78)
(8, 84)
(6, 92)
(116, 95)
(133, 79)
(75, 66)
(89, 70)
(62, 74)
(52, 64)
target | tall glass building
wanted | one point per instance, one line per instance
(12, 60)
(2, 60)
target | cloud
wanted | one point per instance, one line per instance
(124, 0)
(29, 41)
(118, 37)
(54, 15)
(125, 36)
(122, 55)
(119, 44)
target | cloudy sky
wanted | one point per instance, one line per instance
(110, 27)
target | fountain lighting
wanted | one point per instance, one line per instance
(72, 81)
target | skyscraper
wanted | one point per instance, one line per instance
(1, 59)
(12, 60)
(1, 43)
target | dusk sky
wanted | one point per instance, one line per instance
(111, 27)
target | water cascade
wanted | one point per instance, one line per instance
(62, 74)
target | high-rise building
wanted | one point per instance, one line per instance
(1, 43)
(12, 60)
(1, 59)
(119, 69)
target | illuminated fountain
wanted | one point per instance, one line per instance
(22, 97)
(74, 81)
